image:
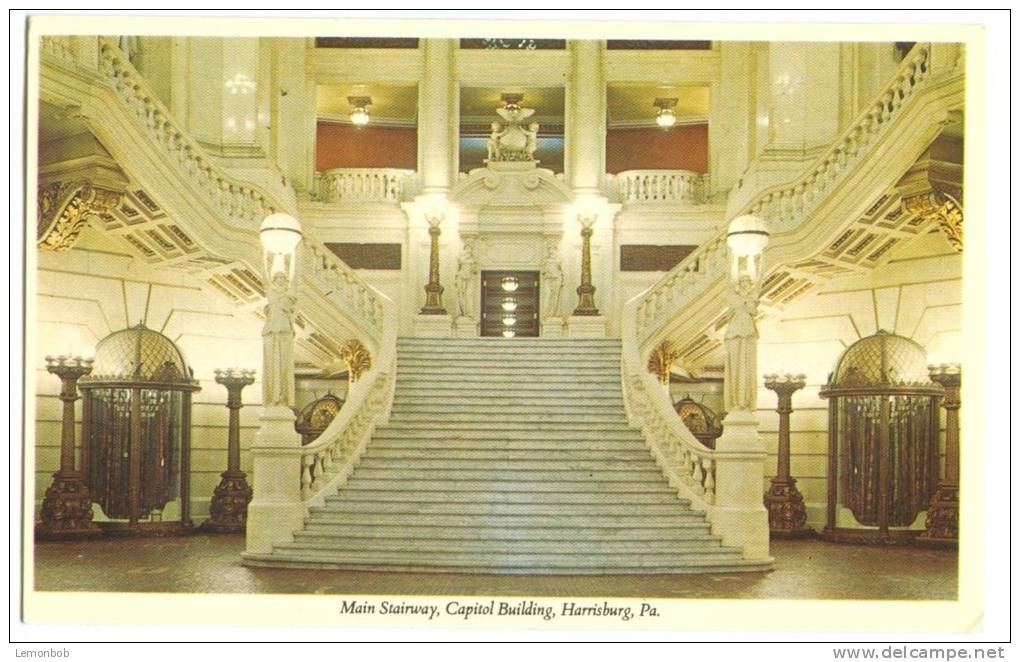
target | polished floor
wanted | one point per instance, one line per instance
(804, 569)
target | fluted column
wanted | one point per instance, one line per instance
(943, 521)
(437, 116)
(67, 506)
(586, 119)
(787, 514)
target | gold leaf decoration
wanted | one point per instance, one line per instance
(661, 360)
(357, 358)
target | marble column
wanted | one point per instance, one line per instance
(586, 117)
(438, 99)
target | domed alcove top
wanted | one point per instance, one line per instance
(139, 355)
(883, 361)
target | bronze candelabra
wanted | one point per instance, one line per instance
(228, 509)
(784, 502)
(433, 290)
(943, 521)
(586, 291)
(67, 506)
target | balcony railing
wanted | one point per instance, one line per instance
(683, 187)
(362, 184)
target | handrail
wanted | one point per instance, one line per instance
(329, 289)
(649, 317)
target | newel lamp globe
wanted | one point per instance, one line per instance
(280, 234)
(747, 236)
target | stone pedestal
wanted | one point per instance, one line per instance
(586, 326)
(739, 515)
(554, 327)
(276, 510)
(433, 326)
(465, 327)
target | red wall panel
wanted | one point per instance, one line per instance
(680, 148)
(345, 146)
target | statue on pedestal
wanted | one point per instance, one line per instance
(513, 142)
(278, 344)
(741, 342)
(552, 279)
(467, 271)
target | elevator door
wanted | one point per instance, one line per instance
(510, 304)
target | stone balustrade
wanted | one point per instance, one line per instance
(681, 187)
(362, 185)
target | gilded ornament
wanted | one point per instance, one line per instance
(64, 209)
(661, 360)
(357, 358)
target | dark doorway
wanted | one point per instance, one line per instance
(510, 296)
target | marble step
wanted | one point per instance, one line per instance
(660, 496)
(386, 454)
(580, 557)
(680, 516)
(509, 350)
(485, 410)
(488, 530)
(461, 380)
(485, 366)
(520, 467)
(510, 344)
(423, 473)
(313, 540)
(500, 419)
(597, 489)
(533, 398)
(594, 508)
(575, 430)
(485, 389)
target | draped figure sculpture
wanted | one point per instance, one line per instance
(552, 279)
(467, 268)
(278, 344)
(741, 342)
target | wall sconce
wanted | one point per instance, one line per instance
(359, 116)
(667, 116)
(280, 235)
(747, 237)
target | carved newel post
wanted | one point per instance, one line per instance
(586, 291)
(433, 290)
(228, 509)
(943, 521)
(784, 501)
(67, 507)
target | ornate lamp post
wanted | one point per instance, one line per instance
(228, 509)
(746, 238)
(433, 290)
(67, 507)
(784, 501)
(276, 503)
(943, 521)
(586, 291)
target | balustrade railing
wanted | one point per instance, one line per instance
(331, 295)
(699, 473)
(661, 186)
(362, 184)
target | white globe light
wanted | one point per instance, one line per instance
(509, 320)
(747, 236)
(509, 333)
(280, 233)
(509, 284)
(666, 118)
(509, 304)
(359, 117)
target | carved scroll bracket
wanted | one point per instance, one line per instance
(64, 208)
(357, 358)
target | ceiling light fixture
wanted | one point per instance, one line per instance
(509, 320)
(359, 116)
(509, 333)
(510, 284)
(509, 304)
(667, 116)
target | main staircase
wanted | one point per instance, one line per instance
(507, 456)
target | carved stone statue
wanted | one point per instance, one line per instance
(278, 344)
(493, 144)
(552, 279)
(532, 140)
(467, 270)
(741, 341)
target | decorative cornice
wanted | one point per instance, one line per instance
(64, 209)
